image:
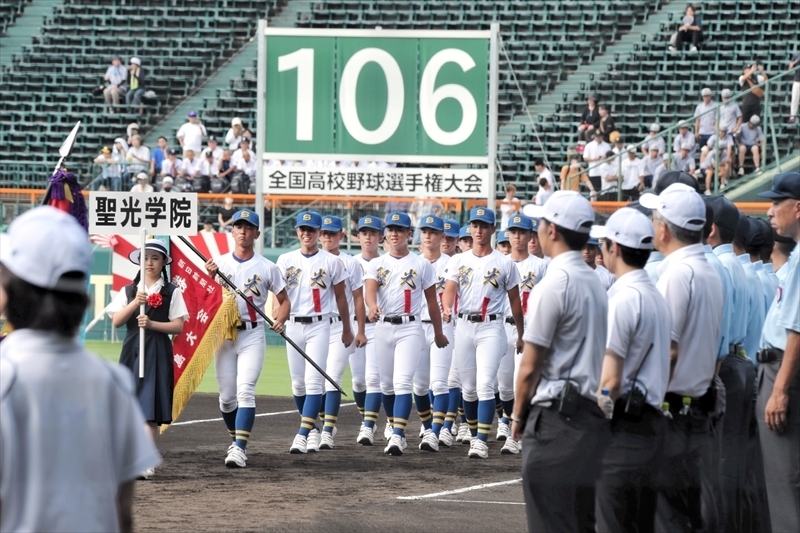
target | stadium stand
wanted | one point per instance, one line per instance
(49, 86)
(9, 11)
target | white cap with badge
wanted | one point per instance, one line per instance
(569, 210)
(627, 227)
(679, 204)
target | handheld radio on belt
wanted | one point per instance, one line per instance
(568, 397)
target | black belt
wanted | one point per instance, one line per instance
(335, 319)
(510, 320)
(247, 325)
(675, 402)
(306, 319)
(427, 321)
(769, 355)
(477, 317)
(401, 319)
(734, 349)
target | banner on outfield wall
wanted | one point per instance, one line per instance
(386, 181)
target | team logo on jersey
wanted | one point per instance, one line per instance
(464, 275)
(440, 284)
(252, 285)
(318, 278)
(222, 283)
(408, 279)
(383, 276)
(293, 277)
(528, 281)
(491, 278)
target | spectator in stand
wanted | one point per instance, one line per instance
(589, 119)
(117, 77)
(225, 215)
(752, 140)
(111, 170)
(723, 150)
(208, 227)
(236, 134)
(545, 192)
(544, 172)
(619, 146)
(651, 167)
(609, 175)
(157, 157)
(572, 175)
(606, 123)
(593, 154)
(690, 31)
(190, 169)
(191, 133)
(245, 170)
(167, 185)
(683, 160)
(632, 180)
(705, 119)
(209, 167)
(510, 204)
(795, 62)
(684, 137)
(138, 156)
(142, 183)
(172, 166)
(120, 152)
(136, 83)
(224, 168)
(132, 129)
(752, 75)
(730, 116)
(214, 148)
(244, 146)
(652, 140)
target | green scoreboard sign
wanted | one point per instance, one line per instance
(392, 95)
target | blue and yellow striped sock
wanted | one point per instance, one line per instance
(402, 410)
(230, 422)
(310, 413)
(245, 418)
(485, 417)
(372, 407)
(453, 397)
(471, 415)
(424, 410)
(333, 400)
(360, 399)
(439, 408)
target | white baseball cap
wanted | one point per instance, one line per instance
(706, 92)
(726, 93)
(754, 120)
(655, 128)
(686, 146)
(168, 180)
(30, 255)
(627, 227)
(679, 204)
(136, 61)
(569, 210)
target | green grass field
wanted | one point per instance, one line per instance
(274, 380)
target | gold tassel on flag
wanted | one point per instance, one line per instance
(222, 327)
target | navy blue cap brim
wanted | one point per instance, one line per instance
(428, 226)
(312, 226)
(330, 228)
(484, 220)
(774, 195)
(246, 221)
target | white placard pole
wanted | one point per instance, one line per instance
(141, 307)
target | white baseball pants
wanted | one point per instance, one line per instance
(505, 374)
(397, 347)
(238, 365)
(433, 369)
(364, 364)
(314, 339)
(479, 348)
(338, 354)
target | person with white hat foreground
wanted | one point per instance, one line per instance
(142, 183)
(635, 376)
(556, 407)
(165, 313)
(694, 295)
(68, 419)
(751, 139)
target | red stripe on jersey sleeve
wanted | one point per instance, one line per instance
(407, 301)
(317, 300)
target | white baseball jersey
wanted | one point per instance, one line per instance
(439, 266)
(483, 282)
(354, 279)
(607, 279)
(531, 271)
(401, 283)
(255, 277)
(310, 280)
(364, 263)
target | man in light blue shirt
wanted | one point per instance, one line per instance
(116, 76)
(778, 405)
(757, 309)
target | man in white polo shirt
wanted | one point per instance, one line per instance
(556, 407)
(694, 296)
(191, 134)
(635, 376)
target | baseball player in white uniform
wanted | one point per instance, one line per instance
(590, 254)
(464, 239)
(483, 279)
(395, 285)
(315, 283)
(450, 239)
(364, 362)
(338, 353)
(238, 363)
(434, 362)
(452, 229)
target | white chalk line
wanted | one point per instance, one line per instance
(293, 411)
(460, 491)
(477, 501)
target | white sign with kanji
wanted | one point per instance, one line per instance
(128, 213)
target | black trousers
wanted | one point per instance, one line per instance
(627, 488)
(750, 107)
(560, 464)
(689, 37)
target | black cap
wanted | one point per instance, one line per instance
(212, 138)
(674, 176)
(755, 236)
(725, 213)
(209, 153)
(170, 151)
(598, 133)
(593, 96)
(742, 228)
(769, 233)
(781, 239)
(784, 185)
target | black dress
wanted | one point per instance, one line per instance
(155, 389)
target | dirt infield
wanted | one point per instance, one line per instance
(352, 488)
